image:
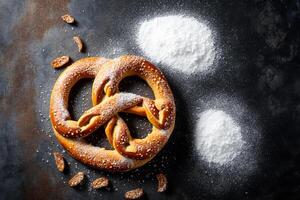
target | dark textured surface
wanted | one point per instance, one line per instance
(257, 82)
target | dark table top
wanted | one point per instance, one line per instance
(257, 81)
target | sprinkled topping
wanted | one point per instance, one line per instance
(76, 179)
(68, 19)
(162, 182)
(59, 161)
(78, 42)
(60, 61)
(100, 183)
(134, 194)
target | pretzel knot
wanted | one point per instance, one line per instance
(128, 153)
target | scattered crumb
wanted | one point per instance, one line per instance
(134, 194)
(76, 179)
(100, 183)
(60, 61)
(68, 19)
(59, 161)
(78, 42)
(162, 182)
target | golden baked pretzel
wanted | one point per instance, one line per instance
(128, 153)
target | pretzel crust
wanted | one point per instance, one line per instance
(128, 153)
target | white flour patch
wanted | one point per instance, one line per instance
(218, 137)
(233, 163)
(183, 43)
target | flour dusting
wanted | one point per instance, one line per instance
(181, 42)
(218, 137)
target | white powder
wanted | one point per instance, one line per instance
(178, 41)
(126, 99)
(218, 137)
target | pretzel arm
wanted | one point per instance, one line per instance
(97, 95)
(138, 148)
(109, 129)
(137, 110)
(157, 117)
(121, 136)
(109, 108)
(104, 83)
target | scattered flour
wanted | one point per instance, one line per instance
(126, 99)
(218, 137)
(178, 41)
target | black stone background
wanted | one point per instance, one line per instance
(257, 81)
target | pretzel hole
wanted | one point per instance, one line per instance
(98, 139)
(139, 127)
(80, 98)
(136, 85)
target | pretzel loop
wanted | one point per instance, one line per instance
(128, 153)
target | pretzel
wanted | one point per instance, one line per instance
(128, 153)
